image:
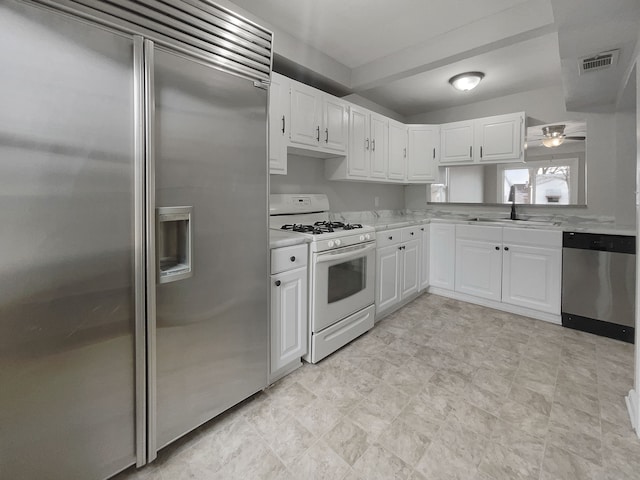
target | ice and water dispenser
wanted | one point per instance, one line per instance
(175, 241)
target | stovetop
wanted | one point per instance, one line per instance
(318, 228)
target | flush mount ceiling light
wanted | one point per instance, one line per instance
(466, 81)
(553, 136)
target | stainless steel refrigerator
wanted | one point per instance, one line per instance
(133, 259)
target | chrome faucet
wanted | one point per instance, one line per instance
(512, 199)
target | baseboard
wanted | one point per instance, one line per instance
(505, 307)
(632, 406)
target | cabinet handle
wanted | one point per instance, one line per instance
(422, 229)
(283, 124)
(506, 249)
(404, 152)
(278, 283)
(318, 133)
(373, 145)
(470, 152)
(326, 135)
(293, 259)
(481, 151)
(497, 248)
(434, 153)
(366, 144)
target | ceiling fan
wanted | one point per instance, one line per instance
(554, 136)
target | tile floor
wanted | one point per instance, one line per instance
(438, 390)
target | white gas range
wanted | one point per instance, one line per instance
(341, 270)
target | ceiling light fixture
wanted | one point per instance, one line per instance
(554, 136)
(466, 81)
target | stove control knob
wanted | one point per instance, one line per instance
(330, 243)
(338, 242)
(367, 237)
(362, 238)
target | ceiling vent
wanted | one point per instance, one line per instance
(600, 61)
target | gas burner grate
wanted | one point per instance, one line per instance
(300, 228)
(352, 226)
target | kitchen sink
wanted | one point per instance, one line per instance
(508, 221)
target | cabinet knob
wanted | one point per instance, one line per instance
(506, 249)
(422, 229)
(293, 259)
(497, 248)
(399, 248)
(411, 233)
(278, 283)
(390, 238)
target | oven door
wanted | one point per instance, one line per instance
(342, 283)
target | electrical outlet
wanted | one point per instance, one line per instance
(376, 201)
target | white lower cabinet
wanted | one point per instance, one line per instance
(479, 261)
(442, 255)
(288, 309)
(532, 269)
(515, 266)
(398, 266)
(424, 258)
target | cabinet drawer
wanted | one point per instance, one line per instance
(388, 237)
(411, 233)
(287, 258)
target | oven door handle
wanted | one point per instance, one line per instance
(330, 257)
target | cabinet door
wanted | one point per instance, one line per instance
(442, 255)
(410, 267)
(288, 317)
(388, 277)
(479, 268)
(531, 277)
(500, 138)
(397, 151)
(335, 118)
(359, 143)
(456, 142)
(422, 153)
(379, 149)
(424, 258)
(278, 123)
(305, 114)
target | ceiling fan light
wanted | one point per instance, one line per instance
(466, 81)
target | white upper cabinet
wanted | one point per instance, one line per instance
(397, 151)
(497, 139)
(368, 154)
(306, 114)
(456, 143)
(335, 118)
(500, 138)
(379, 146)
(279, 123)
(317, 119)
(359, 144)
(423, 146)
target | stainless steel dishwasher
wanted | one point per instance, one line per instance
(598, 284)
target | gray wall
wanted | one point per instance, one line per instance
(607, 193)
(306, 175)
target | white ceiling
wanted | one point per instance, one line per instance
(401, 54)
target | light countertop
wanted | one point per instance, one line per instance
(279, 238)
